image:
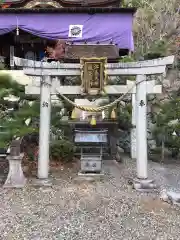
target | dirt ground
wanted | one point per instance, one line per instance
(105, 209)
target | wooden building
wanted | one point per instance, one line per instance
(26, 45)
(59, 3)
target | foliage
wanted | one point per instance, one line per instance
(30, 155)
(158, 49)
(19, 114)
(156, 34)
(1, 66)
(15, 110)
(124, 116)
(127, 58)
(15, 113)
(62, 150)
(167, 128)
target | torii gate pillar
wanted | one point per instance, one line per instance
(142, 183)
(141, 127)
(44, 131)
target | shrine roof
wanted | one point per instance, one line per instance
(82, 3)
(78, 51)
(113, 25)
(68, 10)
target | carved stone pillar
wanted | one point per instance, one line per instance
(15, 178)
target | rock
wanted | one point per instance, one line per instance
(124, 141)
(152, 144)
(173, 122)
(25, 169)
(170, 197)
(149, 134)
(151, 125)
(118, 158)
(123, 103)
(148, 108)
(151, 97)
(120, 150)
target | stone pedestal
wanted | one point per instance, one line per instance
(89, 177)
(144, 185)
(15, 178)
(41, 182)
(119, 153)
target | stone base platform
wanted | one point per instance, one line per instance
(90, 177)
(144, 185)
(40, 182)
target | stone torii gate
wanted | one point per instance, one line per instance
(43, 82)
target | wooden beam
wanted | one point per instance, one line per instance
(21, 78)
(150, 86)
(66, 90)
(110, 89)
(153, 89)
(119, 89)
(51, 72)
(110, 72)
(35, 82)
(149, 63)
(137, 71)
(21, 62)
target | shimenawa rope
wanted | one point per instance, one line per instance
(95, 109)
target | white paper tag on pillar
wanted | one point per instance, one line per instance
(75, 31)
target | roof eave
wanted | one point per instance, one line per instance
(63, 2)
(69, 10)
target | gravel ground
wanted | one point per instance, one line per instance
(99, 210)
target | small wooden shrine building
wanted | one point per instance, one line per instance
(30, 44)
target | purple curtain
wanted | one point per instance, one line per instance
(102, 28)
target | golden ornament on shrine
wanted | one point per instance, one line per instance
(113, 114)
(73, 114)
(93, 75)
(93, 121)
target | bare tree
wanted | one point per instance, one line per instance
(155, 21)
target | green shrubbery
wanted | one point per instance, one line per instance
(167, 125)
(62, 150)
